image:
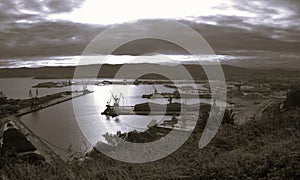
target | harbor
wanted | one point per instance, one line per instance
(140, 90)
(109, 109)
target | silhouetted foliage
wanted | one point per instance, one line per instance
(293, 97)
(228, 117)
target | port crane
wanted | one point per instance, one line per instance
(111, 111)
(34, 99)
(116, 99)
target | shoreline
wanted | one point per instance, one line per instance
(109, 71)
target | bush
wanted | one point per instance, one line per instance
(228, 117)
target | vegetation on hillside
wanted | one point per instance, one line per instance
(265, 148)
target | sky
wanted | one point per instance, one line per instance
(65, 27)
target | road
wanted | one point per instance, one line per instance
(251, 111)
(39, 143)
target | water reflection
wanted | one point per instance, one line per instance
(58, 125)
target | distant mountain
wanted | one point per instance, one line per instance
(109, 71)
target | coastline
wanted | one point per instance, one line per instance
(109, 71)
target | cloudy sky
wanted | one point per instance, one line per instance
(65, 27)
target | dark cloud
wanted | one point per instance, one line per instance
(46, 38)
(274, 13)
(25, 30)
(288, 34)
(33, 10)
(67, 38)
(274, 19)
(233, 38)
(58, 6)
(41, 6)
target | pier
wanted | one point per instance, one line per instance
(130, 110)
(41, 145)
(155, 109)
(64, 96)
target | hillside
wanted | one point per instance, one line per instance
(268, 148)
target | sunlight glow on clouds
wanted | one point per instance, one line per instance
(116, 11)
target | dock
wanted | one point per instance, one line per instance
(129, 110)
(36, 141)
(156, 109)
(65, 96)
(177, 96)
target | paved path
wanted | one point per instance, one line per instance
(39, 144)
(250, 112)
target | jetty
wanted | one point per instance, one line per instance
(60, 98)
(38, 104)
(176, 94)
(154, 109)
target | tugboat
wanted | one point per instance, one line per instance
(110, 112)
